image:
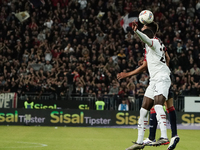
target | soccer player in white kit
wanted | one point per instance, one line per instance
(169, 105)
(158, 88)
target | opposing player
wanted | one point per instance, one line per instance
(157, 90)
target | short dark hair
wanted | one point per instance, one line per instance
(153, 26)
(149, 33)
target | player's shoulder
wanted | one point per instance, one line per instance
(156, 39)
(155, 42)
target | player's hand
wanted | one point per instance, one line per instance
(122, 75)
(134, 25)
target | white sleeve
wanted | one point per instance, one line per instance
(144, 38)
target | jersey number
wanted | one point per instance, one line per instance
(162, 59)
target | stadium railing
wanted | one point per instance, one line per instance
(43, 96)
(111, 101)
(179, 103)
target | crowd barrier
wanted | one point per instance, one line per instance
(85, 101)
(43, 96)
(179, 103)
(64, 117)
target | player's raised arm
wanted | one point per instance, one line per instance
(144, 37)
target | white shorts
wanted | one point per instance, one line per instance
(158, 88)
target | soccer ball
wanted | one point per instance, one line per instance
(146, 17)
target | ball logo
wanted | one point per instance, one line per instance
(150, 15)
(142, 13)
(143, 21)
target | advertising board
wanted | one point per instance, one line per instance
(64, 117)
(58, 104)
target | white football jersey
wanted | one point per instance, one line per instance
(155, 57)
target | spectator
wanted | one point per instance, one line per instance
(190, 11)
(123, 106)
(121, 92)
(143, 81)
(198, 60)
(180, 9)
(65, 89)
(184, 91)
(114, 89)
(198, 7)
(179, 72)
(179, 49)
(121, 55)
(48, 23)
(183, 61)
(83, 3)
(123, 65)
(195, 70)
(48, 66)
(66, 41)
(131, 88)
(41, 36)
(100, 36)
(174, 62)
(48, 55)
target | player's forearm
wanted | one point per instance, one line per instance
(137, 71)
(144, 37)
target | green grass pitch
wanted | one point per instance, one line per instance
(83, 138)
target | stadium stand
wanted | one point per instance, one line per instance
(68, 49)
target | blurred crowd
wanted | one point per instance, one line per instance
(67, 47)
